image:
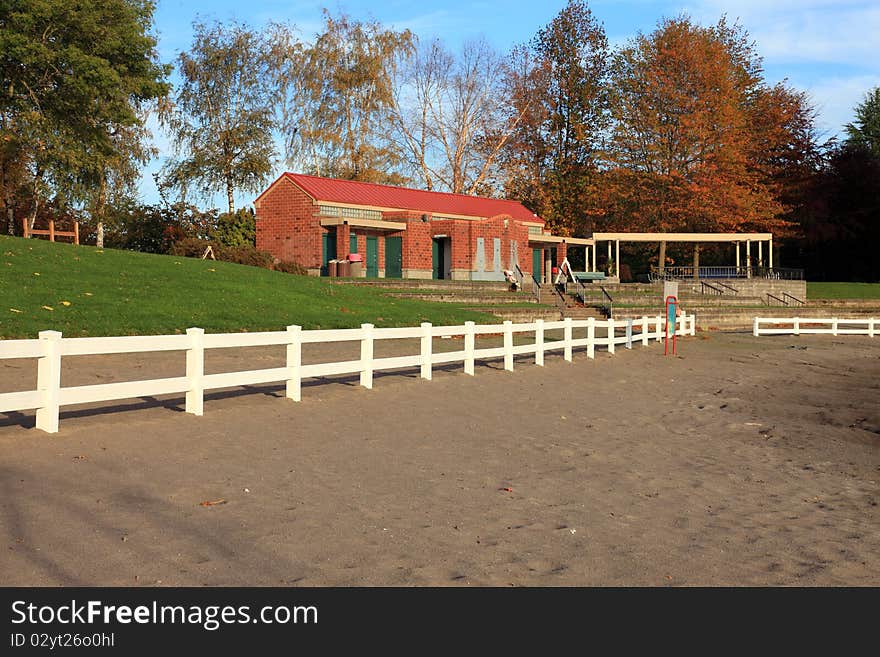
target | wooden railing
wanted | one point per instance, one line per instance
(52, 233)
(814, 325)
(51, 347)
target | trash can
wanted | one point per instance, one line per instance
(332, 268)
(343, 269)
(357, 264)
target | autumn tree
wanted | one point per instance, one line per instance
(557, 85)
(337, 94)
(700, 142)
(74, 75)
(221, 119)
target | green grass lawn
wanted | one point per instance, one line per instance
(843, 290)
(84, 291)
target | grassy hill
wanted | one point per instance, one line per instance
(84, 291)
(843, 291)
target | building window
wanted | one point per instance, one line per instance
(348, 213)
(534, 230)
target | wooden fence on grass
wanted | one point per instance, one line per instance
(814, 325)
(49, 349)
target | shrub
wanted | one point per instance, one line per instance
(246, 255)
(193, 247)
(239, 229)
(290, 267)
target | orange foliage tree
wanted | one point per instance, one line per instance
(699, 141)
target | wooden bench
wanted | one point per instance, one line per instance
(584, 276)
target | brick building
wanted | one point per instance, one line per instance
(402, 232)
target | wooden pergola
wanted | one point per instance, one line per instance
(696, 238)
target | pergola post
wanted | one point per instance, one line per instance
(609, 257)
(737, 257)
(662, 264)
(696, 260)
(595, 248)
(748, 258)
(760, 254)
(770, 247)
(617, 259)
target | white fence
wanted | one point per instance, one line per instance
(50, 347)
(814, 325)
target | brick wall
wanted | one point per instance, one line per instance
(287, 225)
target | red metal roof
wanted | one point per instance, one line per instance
(332, 190)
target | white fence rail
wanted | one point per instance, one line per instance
(814, 325)
(49, 349)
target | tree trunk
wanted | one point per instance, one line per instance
(662, 264)
(99, 211)
(36, 200)
(696, 260)
(7, 201)
(230, 197)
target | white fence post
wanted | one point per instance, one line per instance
(294, 362)
(566, 336)
(693, 324)
(659, 328)
(426, 350)
(591, 337)
(539, 342)
(870, 327)
(367, 356)
(629, 333)
(469, 344)
(610, 336)
(797, 325)
(49, 381)
(833, 326)
(508, 345)
(195, 370)
(756, 331)
(644, 331)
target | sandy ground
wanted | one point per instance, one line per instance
(744, 461)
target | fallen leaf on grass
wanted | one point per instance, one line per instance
(15, 310)
(65, 303)
(212, 502)
(48, 308)
(88, 294)
(36, 273)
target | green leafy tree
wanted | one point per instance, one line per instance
(221, 119)
(74, 75)
(865, 130)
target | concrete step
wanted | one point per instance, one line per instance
(468, 296)
(425, 284)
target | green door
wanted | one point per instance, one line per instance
(328, 249)
(537, 263)
(372, 257)
(437, 258)
(352, 243)
(393, 257)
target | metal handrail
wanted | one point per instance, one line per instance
(679, 272)
(715, 290)
(608, 308)
(727, 287)
(793, 298)
(773, 296)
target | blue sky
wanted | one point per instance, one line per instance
(829, 48)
